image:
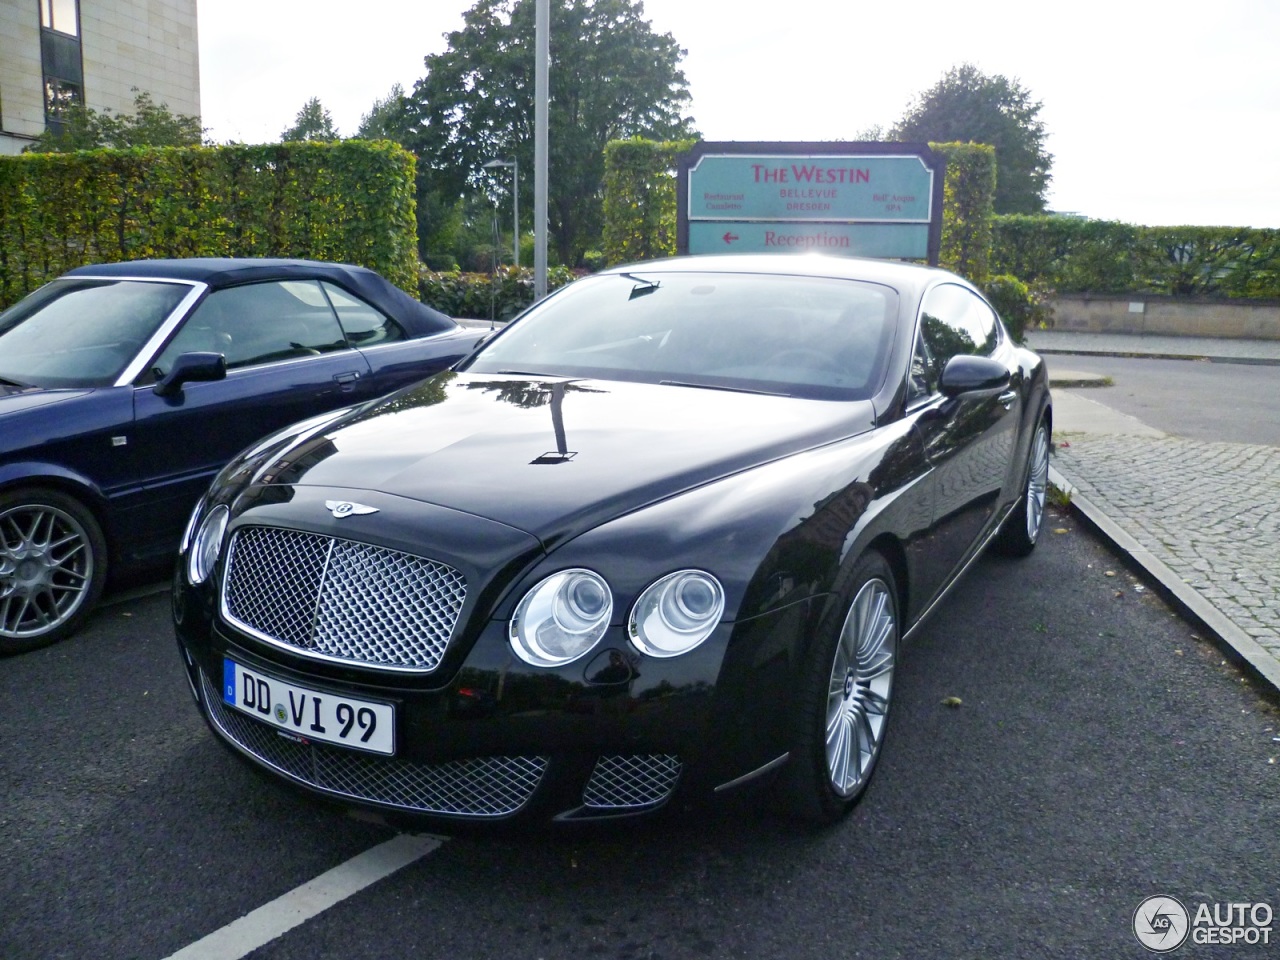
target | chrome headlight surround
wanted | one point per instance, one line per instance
(676, 613)
(561, 618)
(206, 546)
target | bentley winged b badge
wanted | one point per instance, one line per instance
(344, 508)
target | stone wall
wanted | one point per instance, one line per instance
(1167, 316)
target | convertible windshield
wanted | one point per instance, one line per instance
(82, 333)
(800, 336)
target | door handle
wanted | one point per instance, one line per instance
(1007, 398)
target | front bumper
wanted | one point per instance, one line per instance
(614, 735)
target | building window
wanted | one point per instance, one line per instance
(60, 54)
(61, 15)
(59, 97)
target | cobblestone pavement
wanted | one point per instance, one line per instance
(1209, 511)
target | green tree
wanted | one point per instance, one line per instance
(966, 104)
(611, 77)
(151, 125)
(387, 119)
(312, 123)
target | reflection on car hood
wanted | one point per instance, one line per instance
(555, 457)
(17, 399)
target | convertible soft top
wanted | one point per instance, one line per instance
(220, 272)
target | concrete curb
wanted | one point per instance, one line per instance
(1140, 355)
(1237, 644)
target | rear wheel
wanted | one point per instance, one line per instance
(845, 695)
(53, 564)
(1021, 529)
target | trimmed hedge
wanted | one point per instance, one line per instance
(640, 199)
(968, 206)
(351, 201)
(483, 296)
(1074, 255)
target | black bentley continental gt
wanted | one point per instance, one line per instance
(661, 538)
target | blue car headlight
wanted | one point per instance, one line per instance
(676, 613)
(561, 618)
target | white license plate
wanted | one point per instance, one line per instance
(309, 714)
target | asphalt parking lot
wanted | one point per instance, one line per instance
(1100, 754)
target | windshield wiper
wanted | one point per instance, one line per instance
(12, 383)
(642, 286)
(715, 386)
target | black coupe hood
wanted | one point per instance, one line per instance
(555, 457)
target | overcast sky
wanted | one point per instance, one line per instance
(1157, 113)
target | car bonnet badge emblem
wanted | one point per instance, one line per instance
(345, 508)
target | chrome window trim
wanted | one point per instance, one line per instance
(138, 364)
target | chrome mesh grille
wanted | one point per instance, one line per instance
(476, 787)
(342, 599)
(640, 780)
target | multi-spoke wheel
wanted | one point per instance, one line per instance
(52, 567)
(1021, 529)
(845, 698)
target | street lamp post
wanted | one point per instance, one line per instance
(514, 164)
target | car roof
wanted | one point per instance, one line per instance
(901, 275)
(219, 272)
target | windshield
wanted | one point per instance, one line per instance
(82, 333)
(799, 336)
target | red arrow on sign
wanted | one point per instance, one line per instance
(730, 237)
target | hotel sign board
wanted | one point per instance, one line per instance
(851, 199)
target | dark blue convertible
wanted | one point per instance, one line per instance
(125, 387)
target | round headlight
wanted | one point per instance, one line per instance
(190, 529)
(561, 618)
(676, 614)
(207, 545)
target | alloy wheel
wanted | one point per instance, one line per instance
(860, 687)
(46, 569)
(1037, 482)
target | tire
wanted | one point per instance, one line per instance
(1021, 530)
(53, 564)
(846, 690)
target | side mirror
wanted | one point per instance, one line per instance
(966, 375)
(190, 367)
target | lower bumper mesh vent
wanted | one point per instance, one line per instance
(627, 782)
(477, 787)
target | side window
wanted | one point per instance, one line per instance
(363, 324)
(952, 321)
(259, 323)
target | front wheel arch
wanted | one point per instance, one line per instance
(843, 696)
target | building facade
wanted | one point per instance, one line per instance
(101, 53)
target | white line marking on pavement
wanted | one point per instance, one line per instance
(241, 937)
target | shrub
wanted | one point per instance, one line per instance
(1021, 306)
(484, 296)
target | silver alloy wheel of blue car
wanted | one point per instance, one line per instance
(46, 569)
(860, 687)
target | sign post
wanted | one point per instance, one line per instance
(851, 199)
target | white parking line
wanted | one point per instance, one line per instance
(271, 920)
